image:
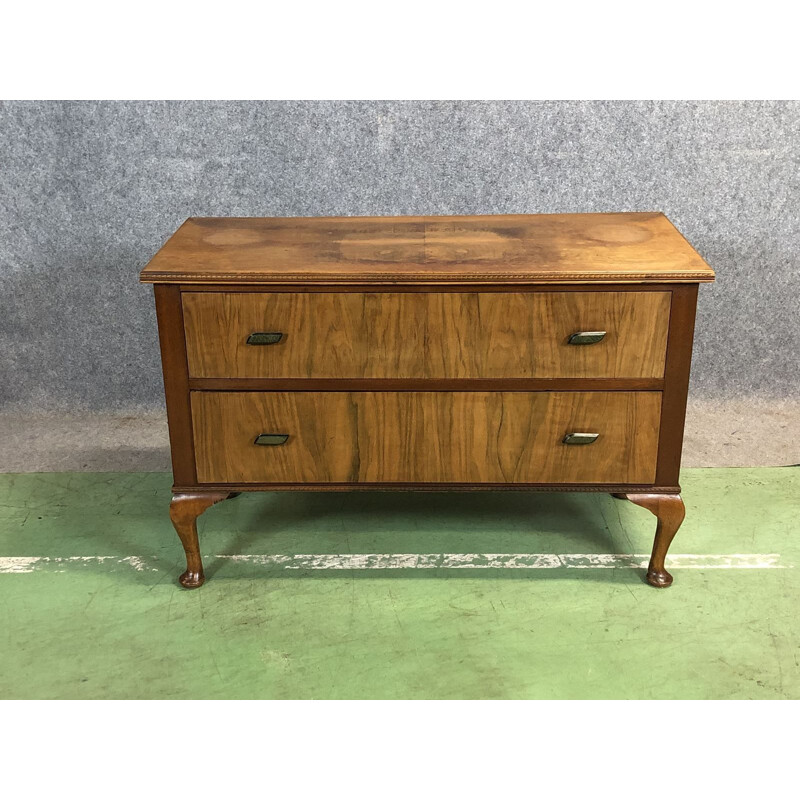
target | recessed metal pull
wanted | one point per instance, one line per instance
(271, 438)
(264, 338)
(580, 438)
(586, 337)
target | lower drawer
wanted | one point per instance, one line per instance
(425, 437)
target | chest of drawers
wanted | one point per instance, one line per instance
(539, 352)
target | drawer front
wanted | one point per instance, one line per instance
(458, 437)
(426, 334)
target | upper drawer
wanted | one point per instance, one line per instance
(426, 334)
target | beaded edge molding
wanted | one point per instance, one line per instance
(469, 277)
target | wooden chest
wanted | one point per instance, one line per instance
(488, 352)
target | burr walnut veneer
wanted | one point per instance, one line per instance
(546, 352)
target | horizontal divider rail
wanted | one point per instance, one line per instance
(426, 384)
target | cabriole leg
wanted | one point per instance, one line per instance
(184, 511)
(669, 511)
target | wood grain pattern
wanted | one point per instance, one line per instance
(427, 335)
(471, 437)
(639, 247)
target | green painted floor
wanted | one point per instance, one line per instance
(121, 627)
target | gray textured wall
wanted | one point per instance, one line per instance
(89, 191)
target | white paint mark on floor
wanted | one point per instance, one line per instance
(16, 564)
(23, 564)
(509, 561)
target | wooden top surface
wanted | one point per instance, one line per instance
(513, 249)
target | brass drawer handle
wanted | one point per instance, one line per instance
(586, 337)
(271, 438)
(580, 438)
(264, 338)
